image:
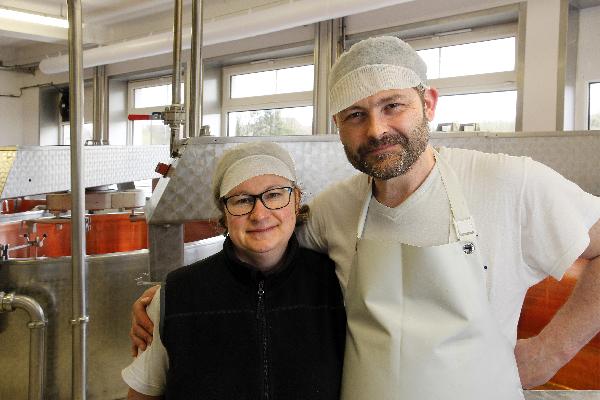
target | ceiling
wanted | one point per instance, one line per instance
(115, 20)
(107, 21)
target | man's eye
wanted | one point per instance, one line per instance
(393, 106)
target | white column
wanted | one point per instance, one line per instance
(540, 80)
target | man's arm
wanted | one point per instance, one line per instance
(573, 326)
(133, 395)
(141, 325)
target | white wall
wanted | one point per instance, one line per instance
(588, 61)
(11, 109)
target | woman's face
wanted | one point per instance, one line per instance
(262, 233)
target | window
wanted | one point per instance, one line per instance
(475, 73)
(87, 133)
(146, 97)
(488, 111)
(594, 108)
(470, 58)
(268, 98)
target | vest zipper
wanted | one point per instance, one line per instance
(262, 317)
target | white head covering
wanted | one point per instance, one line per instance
(249, 160)
(373, 65)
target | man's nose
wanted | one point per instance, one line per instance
(376, 125)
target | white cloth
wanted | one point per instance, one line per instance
(532, 222)
(147, 374)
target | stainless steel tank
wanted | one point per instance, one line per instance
(112, 289)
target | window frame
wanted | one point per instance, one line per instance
(499, 23)
(589, 104)
(132, 85)
(478, 83)
(273, 101)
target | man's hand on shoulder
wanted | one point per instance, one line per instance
(141, 325)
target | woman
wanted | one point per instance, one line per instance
(263, 318)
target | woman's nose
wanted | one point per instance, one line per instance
(259, 211)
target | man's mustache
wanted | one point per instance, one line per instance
(376, 143)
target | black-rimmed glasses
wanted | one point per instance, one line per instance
(273, 199)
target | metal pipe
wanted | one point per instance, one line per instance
(37, 339)
(195, 106)
(100, 106)
(176, 78)
(78, 261)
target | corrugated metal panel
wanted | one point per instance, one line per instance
(46, 169)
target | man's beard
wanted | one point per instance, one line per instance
(392, 164)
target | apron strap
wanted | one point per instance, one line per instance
(461, 217)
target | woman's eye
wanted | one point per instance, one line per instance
(354, 115)
(242, 200)
(273, 195)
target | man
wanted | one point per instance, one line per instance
(435, 252)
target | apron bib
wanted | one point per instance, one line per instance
(419, 322)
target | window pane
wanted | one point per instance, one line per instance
(87, 133)
(432, 60)
(155, 96)
(478, 58)
(150, 132)
(594, 106)
(493, 111)
(146, 186)
(275, 122)
(286, 80)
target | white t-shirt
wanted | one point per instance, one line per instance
(532, 222)
(147, 374)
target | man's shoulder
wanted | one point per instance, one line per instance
(489, 166)
(347, 189)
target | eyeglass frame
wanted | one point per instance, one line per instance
(290, 190)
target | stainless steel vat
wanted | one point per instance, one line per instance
(112, 288)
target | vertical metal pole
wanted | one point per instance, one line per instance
(195, 106)
(78, 262)
(176, 79)
(100, 105)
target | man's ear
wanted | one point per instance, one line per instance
(430, 98)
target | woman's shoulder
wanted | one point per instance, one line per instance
(315, 261)
(199, 268)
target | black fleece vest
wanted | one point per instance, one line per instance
(232, 333)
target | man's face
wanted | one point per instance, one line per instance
(384, 134)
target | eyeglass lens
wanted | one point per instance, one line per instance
(272, 199)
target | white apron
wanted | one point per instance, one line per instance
(419, 322)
